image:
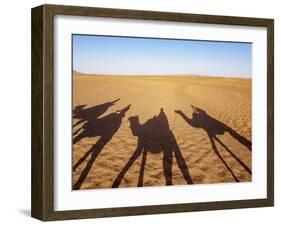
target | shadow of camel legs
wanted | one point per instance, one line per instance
(173, 147)
(213, 127)
(221, 158)
(133, 158)
(233, 155)
(167, 165)
(95, 150)
(155, 136)
(104, 127)
(143, 162)
(182, 165)
(79, 136)
(83, 158)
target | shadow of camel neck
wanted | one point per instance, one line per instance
(200, 119)
(104, 127)
(212, 126)
(155, 136)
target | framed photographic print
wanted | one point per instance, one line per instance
(141, 112)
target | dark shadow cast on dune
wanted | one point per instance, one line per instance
(154, 136)
(213, 127)
(90, 114)
(104, 127)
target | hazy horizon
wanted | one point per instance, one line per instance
(130, 56)
(163, 75)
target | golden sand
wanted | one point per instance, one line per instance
(212, 139)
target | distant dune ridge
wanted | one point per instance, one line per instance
(162, 75)
(131, 131)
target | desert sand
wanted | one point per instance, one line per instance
(208, 130)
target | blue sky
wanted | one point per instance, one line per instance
(145, 56)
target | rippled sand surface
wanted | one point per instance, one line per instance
(209, 137)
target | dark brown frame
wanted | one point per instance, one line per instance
(42, 202)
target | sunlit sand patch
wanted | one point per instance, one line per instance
(226, 100)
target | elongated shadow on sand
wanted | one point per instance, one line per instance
(105, 128)
(91, 114)
(213, 127)
(155, 136)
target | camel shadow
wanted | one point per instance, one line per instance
(154, 136)
(213, 127)
(90, 114)
(105, 128)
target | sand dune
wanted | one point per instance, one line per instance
(210, 142)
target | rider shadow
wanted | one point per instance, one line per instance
(213, 127)
(105, 128)
(155, 136)
(83, 114)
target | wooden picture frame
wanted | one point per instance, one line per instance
(42, 203)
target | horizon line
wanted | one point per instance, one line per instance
(163, 75)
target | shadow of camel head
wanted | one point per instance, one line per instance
(134, 124)
(124, 110)
(201, 119)
(155, 136)
(213, 127)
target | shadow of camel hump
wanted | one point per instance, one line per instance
(213, 127)
(105, 128)
(154, 136)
